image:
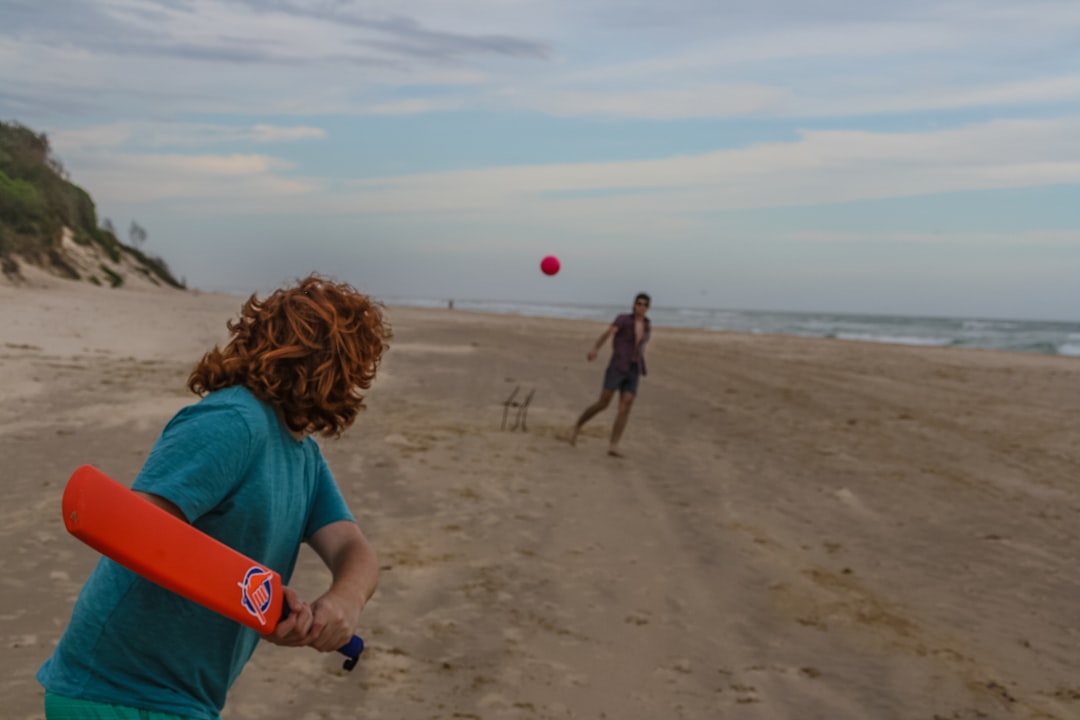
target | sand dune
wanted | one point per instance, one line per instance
(801, 528)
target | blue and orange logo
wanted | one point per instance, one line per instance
(256, 592)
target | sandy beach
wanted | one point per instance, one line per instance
(801, 528)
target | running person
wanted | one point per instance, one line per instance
(627, 365)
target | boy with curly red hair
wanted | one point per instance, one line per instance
(241, 466)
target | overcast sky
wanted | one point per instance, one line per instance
(821, 155)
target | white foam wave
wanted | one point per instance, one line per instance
(894, 339)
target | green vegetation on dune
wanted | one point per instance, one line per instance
(37, 202)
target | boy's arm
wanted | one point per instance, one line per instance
(600, 343)
(355, 570)
(293, 630)
(166, 505)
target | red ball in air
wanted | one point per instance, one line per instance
(549, 265)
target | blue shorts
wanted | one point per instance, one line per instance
(623, 382)
(58, 707)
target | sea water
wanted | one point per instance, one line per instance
(1036, 336)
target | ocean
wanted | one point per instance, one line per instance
(1034, 336)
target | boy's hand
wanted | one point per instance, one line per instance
(352, 562)
(295, 629)
(335, 616)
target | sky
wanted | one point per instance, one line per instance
(915, 158)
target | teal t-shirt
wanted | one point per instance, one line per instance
(237, 474)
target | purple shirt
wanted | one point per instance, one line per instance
(623, 351)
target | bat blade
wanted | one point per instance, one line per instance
(165, 550)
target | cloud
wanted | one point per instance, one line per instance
(1061, 90)
(775, 101)
(21, 100)
(217, 180)
(692, 102)
(153, 135)
(976, 240)
(822, 167)
(66, 80)
(847, 40)
(414, 106)
(272, 133)
(255, 32)
(100, 136)
(723, 101)
(689, 59)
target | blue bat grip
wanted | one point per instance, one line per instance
(351, 650)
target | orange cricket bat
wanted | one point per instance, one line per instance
(167, 551)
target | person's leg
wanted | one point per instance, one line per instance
(599, 405)
(626, 401)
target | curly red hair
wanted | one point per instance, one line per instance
(307, 349)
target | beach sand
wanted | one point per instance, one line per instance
(801, 528)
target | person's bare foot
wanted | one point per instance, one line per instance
(572, 439)
(614, 453)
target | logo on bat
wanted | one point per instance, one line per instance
(256, 592)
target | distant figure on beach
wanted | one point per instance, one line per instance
(450, 304)
(240, 465)
(631, 332)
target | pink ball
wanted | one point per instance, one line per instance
(549, 265)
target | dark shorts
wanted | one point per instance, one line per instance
(623, 382)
